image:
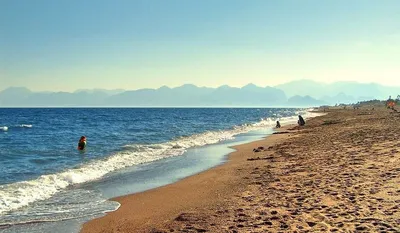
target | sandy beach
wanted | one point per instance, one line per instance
(339, 173)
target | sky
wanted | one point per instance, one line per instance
(64, 45)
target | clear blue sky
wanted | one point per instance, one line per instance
(69, 44)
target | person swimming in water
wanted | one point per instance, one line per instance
(82, 143)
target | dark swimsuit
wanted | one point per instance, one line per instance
(81, 145)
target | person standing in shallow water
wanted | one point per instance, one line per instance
(278, 125)
(82, 143)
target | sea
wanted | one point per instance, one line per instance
(47, 184)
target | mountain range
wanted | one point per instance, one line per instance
(301, 93)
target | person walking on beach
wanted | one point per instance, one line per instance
(82, 143)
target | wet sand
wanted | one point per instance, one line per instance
(339, 173)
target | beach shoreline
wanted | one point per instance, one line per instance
(210, 181)
(141, 199)
(321, 177)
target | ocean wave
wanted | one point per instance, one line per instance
(19, 194)
(25, 126)
(62, 206)
(6, 128)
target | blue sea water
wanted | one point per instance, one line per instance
(40, 166)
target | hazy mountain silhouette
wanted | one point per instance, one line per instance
(304, 101)
(301, 93)
(20, 96)
(14, 95)
(302, 88)
(108, 92)
(338, 92)
(191, 95)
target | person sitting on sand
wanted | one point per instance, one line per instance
(258, 149)
(301, 121)
(82, 143)
(278, 125)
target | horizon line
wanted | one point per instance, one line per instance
(190, 84)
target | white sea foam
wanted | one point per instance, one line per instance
(16, 195)
(25, 126)
(5, 128)
(62, 206)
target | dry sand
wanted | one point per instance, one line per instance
(339, 173)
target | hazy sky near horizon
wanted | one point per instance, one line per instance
(69, 44)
